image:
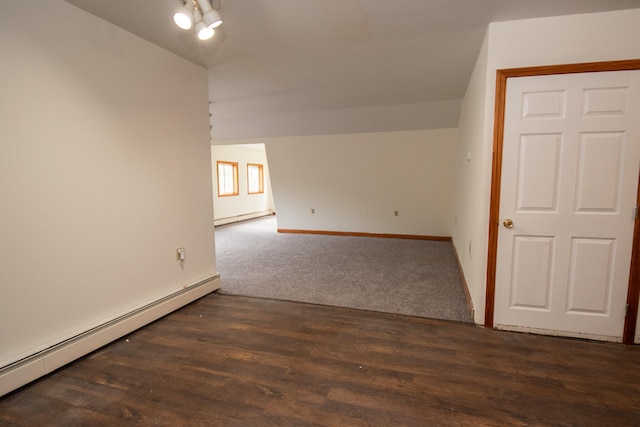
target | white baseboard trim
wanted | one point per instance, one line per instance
(31, 368)
(238, 218)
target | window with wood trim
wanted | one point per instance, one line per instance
(255, 178)
(227, 178)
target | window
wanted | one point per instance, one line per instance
(227, 179)
(255, 179)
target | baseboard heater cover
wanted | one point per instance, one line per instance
(46, 361)
(239, 218)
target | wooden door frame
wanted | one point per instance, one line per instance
(502, 75)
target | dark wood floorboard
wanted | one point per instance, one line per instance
(237, 361)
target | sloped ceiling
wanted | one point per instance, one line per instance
(296, 67)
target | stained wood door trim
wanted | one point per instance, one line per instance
(633, 294)
(498, 135)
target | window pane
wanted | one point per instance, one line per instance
(227, 179)
(255, 179)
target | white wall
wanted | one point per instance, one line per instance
(355, 182)
(232, 208)
(471, 215)
(104, 171)
(545, 41)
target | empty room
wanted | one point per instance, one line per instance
(137, 135)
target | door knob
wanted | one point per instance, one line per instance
(508, 223)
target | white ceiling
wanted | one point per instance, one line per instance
(287, 58)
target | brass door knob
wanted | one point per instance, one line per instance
(508, 223)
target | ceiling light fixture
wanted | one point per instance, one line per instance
(204, 32)
(211, 17)
(199, 13)
(184, 16)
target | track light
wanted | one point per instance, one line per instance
(199, 13)
(204, 32)
(184, 16)
(211, 17)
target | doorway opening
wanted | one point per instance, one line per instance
(241, 183)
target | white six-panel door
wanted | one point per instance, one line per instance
(571, 158)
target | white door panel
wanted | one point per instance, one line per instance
(571, 158)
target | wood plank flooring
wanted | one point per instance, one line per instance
(237, 361)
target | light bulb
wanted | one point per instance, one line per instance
(184, 16)
(182, 20)
(205, 33)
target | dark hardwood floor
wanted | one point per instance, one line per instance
(237, 361)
